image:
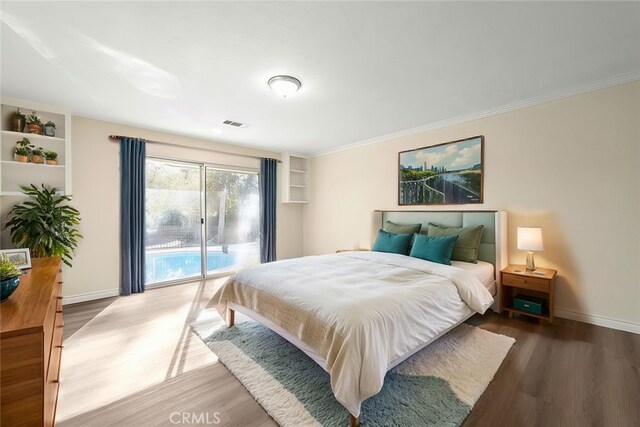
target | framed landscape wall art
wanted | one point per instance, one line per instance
(443, 174)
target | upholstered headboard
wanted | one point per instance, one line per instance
(493, 245)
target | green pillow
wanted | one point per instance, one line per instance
(435, 249)
(392, 243)
(392, 227)
(467, 244)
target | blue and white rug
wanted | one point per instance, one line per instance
(437, 386)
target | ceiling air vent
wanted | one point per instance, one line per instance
(235, 124)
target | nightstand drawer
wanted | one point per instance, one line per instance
(525, 282)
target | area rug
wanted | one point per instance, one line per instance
(437, 386)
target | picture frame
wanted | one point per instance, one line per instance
(451, 173)
(21, 257)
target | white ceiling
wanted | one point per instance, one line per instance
(367, 69)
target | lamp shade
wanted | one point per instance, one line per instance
(530, 239)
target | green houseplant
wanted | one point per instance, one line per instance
(18, 121)
(37, 155)
(52, 157)
(22, 154)
(45, 224)
(24, 142)
(34, 123)
(9, 277)
(50, 128)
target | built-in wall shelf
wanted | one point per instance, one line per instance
(295, 178)
(10, 163)
(14, 174)
(32, 136)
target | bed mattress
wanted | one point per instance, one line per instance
(483, 271)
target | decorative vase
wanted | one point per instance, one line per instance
(21, 159)
(37, 129)
(18, 124)
(37, 159)
(50, 130)
(7, 287)
(52, 162)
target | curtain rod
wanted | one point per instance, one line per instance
(118, 137)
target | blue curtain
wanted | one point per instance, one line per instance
(132, 183)
(268, 168)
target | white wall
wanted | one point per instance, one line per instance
(570, 166)
(96, 194)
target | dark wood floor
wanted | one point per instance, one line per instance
(565, 374)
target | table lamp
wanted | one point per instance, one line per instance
(530, 239)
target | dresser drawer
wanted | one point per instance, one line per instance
(533, 283)
(53, 367)
(31, 347)
(50, 402)
(48, 328)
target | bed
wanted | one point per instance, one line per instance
(359, 314)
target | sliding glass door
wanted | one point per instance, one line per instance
(233, 219)
(200, 220)
(173, 221)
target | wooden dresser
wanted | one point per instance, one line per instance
(31, 346)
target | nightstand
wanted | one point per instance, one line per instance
(539, 284)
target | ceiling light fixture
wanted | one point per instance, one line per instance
(285, 86)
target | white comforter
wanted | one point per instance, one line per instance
(359, 310)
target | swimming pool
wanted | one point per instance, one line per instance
(164, 266)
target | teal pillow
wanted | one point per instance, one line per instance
(392, 227)
(468, 243)
(392, 243)
(434, 249)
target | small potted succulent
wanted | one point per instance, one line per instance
(37, 155)
(22, 154)
(18, 121)
(51, 157)
(34, 123)
(50, 128)
(24, 142)
(9, 277)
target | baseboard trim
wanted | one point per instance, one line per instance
(90, 296)
(598, 320)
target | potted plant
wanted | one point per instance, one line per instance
(51, 157)
(34, 123)
(45, 224)
(50, 128)
(18, 121)
(24, 142)
(9, 277)
(37, 155)
(22, 154)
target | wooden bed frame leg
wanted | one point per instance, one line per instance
(355, 422)
(231, 317)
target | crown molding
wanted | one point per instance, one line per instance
(565, 93)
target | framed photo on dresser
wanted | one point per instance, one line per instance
(21, 257)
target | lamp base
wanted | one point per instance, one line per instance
(531, 265)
